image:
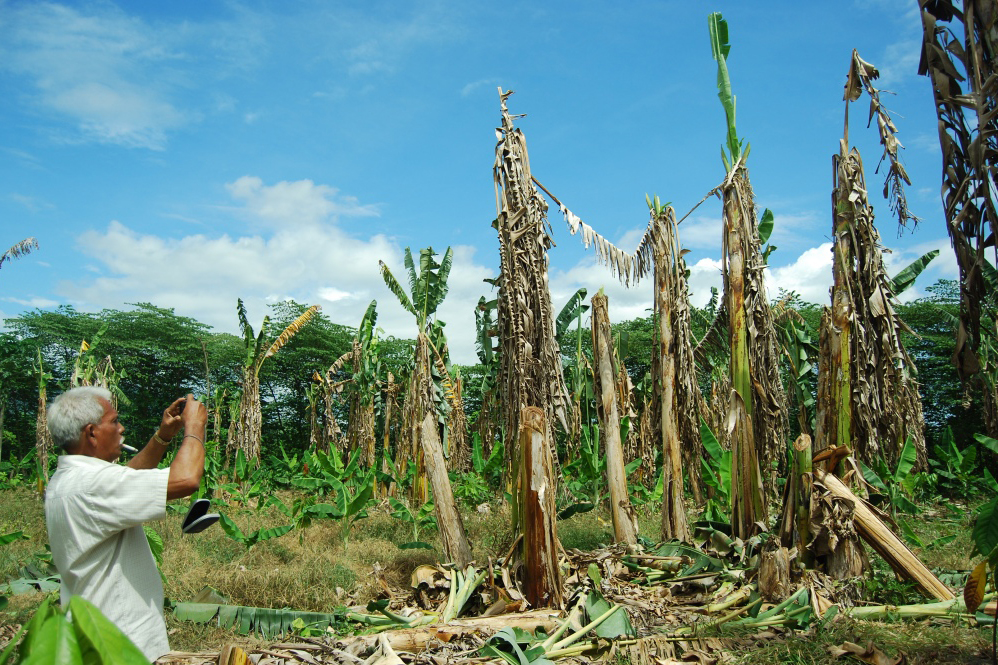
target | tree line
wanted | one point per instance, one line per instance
(159, 354)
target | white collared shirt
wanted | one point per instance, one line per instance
(94, 512)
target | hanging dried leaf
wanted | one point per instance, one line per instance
(292, 330)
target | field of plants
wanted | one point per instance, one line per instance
(760, 480)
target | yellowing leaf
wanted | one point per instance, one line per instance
(290, 331)
(973, 593)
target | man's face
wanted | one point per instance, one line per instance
(105, 436)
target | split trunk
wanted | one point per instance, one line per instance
(625, 528)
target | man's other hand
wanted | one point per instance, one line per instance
(194, 416)
(172, 422)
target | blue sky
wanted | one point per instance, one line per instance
(188, 153)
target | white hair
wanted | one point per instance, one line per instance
(73, 410)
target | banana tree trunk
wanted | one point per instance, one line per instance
(624, 519)
(43, 439)
(538, 514)
(387, 439)
(679, 394)
(835, 411)
(452, 534)
(418, 403)
(747, 497)
(673, 508)
(330, 428)
(530, 371)
(249, 427)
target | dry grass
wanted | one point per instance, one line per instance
(310, 570)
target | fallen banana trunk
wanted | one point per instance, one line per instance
(883, 540)
(946, 608)
(417, 639)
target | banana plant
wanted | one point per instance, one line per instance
(580, 372)
(43, 438)
(363, 387)
(431, 395)
(894, 486)
(352, 505)
(303, 512)
(716, 474)
(423, 518)
(427, 289)
(586, 474)
(250, 539)
(80, 633)
(248, 425)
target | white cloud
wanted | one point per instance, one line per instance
(31, 203)
(900, 63)
(474, 86)
(32, 302)
(810, 275)
(298, 203)
(700, 232)
(115, 78)
(305, 257)
(104, 70)
(925, 142)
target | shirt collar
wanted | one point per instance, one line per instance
(67, 461)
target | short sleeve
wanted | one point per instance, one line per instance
(122, 497)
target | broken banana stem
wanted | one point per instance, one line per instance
(585, 629)
(945, 608)
(556, 635)
(733, 599)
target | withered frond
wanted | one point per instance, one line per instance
(19, 250)
(861, 76)
(292, 330)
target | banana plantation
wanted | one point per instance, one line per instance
(758, 475)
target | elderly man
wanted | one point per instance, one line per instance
(94, 508)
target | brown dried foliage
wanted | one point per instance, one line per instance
(530, 372)
(965, 89)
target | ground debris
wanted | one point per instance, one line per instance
(670, 603)
(869, 654)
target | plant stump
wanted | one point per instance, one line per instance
(452, 534)
(538, 515)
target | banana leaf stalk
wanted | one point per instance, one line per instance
(955, 607)
(461, 588)
(592, 625)
(731, 600)
(392, 620)
(778, 620)
(572, 617)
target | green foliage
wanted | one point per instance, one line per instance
(585, 476)
(83, 636)
(716, 474)
(720, 48)
(428, 286)
(895, 487)
(471, 489)
(985, 533)
(423, 518)
(233, 531)
(268, 623)
(955, 469)
(907, 275)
